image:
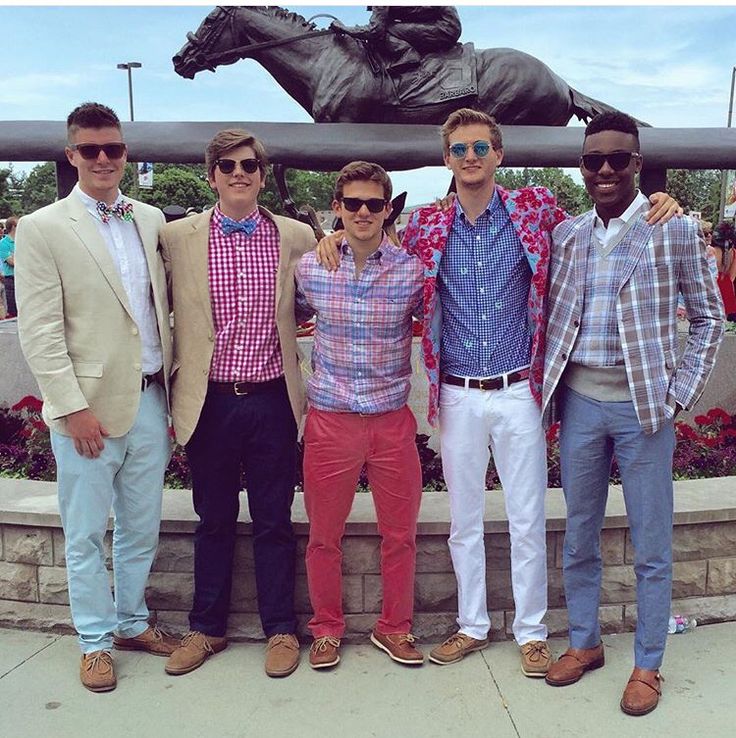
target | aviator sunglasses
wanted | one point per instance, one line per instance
(227, 166)
(374, 204)
(480, 148)
(618, 160)
(92, 151)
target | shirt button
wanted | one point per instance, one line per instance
(480, 263)
(485, 343)
(499, 305)
(483, 317)
(477, 238)
(241, 298)
(482, 290)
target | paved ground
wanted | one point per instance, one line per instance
(367, 695)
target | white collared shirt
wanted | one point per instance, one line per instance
(126, 250)
(604, 234)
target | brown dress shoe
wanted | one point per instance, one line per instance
(455, 648)
(399, 646)
(282, 655)
(642, 693)
(535, 659)
(325, 652)
(96, 671)
(195, 648)
(573, 664)
(152, 640)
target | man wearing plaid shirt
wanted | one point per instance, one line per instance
(237, 396)
(611, 363)
(358, 414)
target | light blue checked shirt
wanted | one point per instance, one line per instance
(361, 358)
(484, 281)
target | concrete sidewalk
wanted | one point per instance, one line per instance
(367, 695)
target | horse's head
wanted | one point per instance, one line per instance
(215, 34)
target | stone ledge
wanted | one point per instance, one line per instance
(25, 502)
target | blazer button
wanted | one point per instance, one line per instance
(564, 357)
(134, 331)
(576, 323)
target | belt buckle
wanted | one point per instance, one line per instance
(482, 384)
(239, 393)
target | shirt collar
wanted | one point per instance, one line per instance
(627, 215)
(490, 208)
(384, 248)
(90, 203)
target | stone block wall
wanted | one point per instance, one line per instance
(33, 591)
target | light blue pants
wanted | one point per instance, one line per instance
(127, 476)
(591, 433)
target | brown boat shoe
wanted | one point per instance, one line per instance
(573, 664)
(455, 648)
(282, 655)
(97, 672)
(194, 650)
(152, 640)
(535, 659)
(642, 692)
(399, 646)
(324, 652)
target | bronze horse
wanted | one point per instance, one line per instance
(335, 78)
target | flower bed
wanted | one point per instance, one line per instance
(707, 449)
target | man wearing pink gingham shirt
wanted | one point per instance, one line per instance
(237, 396)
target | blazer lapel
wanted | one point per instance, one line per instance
(84, 227)
(583, 240)
(147, 228)
(284, 254)
(197, 250)
(637, 240)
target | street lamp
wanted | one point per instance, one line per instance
(130, 66)
(724, 173)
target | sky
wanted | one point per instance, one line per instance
(668, 65)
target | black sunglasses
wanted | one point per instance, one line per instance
(227, 166)
(92, 151)
(618, 160)
(374, 204)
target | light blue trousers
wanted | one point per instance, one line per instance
(591, 433)
(127, 477)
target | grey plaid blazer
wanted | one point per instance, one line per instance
(663, 262)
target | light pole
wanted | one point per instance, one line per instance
(130, 66)
(724, 173)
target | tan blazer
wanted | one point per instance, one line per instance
(75, 325)
(185, 248)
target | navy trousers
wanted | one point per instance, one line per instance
(253, 434)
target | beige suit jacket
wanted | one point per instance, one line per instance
(75, 324)
(185, 248)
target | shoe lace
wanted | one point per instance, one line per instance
(320, 644)
(283, 639)
(159, 634)
(406, 638)
(536, 650)
(457, 640)
(99, 661)
(198, 640)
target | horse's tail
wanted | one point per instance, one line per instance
(587, 107)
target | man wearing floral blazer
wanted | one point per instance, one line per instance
(486, 260)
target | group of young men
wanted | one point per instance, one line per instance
(527, 316)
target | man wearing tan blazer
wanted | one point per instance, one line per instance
(236, 394)
(94, 328)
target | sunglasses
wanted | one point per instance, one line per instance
(618, 161)
(92, 151)
(227, 166)
(374, 204)
(480, 148)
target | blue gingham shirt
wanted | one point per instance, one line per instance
(484, 282)
(361, 357)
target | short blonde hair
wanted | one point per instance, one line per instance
(230, 139)
(469, 117)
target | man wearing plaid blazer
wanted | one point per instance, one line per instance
(611, 365)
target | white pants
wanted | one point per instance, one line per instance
(508, 420)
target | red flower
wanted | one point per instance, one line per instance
(717, 413)
(701, 419)
(28, 403)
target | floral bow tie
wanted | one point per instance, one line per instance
(122, 210)
(229, 226)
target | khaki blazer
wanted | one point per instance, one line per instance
(185, 248)
(75, 325)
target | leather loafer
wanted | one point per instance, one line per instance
(282, 655)
(152, 640)
(642, 693)
(96, 671)
(455, 648)
(573, 664)
(194, 650)
(399, 646)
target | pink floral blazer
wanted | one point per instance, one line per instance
(534, 213)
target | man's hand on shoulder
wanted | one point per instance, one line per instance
(328, 251)
(445, 203)
(87, 433)
(663, 208)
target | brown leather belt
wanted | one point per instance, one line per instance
(245, 388)
(492, 383)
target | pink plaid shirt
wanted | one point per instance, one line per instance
(242, 279)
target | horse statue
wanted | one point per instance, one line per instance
(338, 79)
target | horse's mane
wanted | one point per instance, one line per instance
(274, 11)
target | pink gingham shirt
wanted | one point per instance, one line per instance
(242, 280)
(361, 358)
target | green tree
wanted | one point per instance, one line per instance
(177, 184)
(39, 187)
(11, 184)
(571, 196)
(305, 187)
(696, 189)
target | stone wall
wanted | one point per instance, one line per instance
(33, 590)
